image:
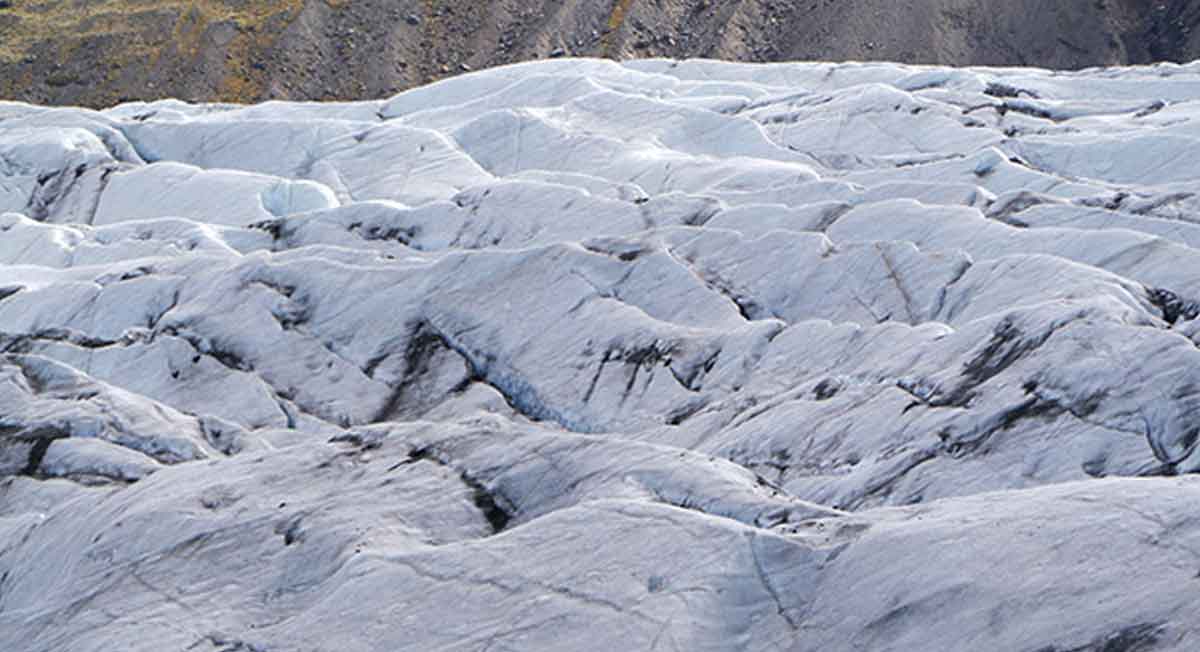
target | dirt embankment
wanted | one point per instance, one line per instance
(97, 52)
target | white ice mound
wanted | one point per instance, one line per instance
(580, 355)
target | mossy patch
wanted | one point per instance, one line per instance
(616, 18)
(146, 35)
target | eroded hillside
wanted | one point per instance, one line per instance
(96, 52)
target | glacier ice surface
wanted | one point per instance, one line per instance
(579, 355)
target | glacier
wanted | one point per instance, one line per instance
(581, 354)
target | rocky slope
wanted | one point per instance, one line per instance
(581, 355)
(98, 52)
